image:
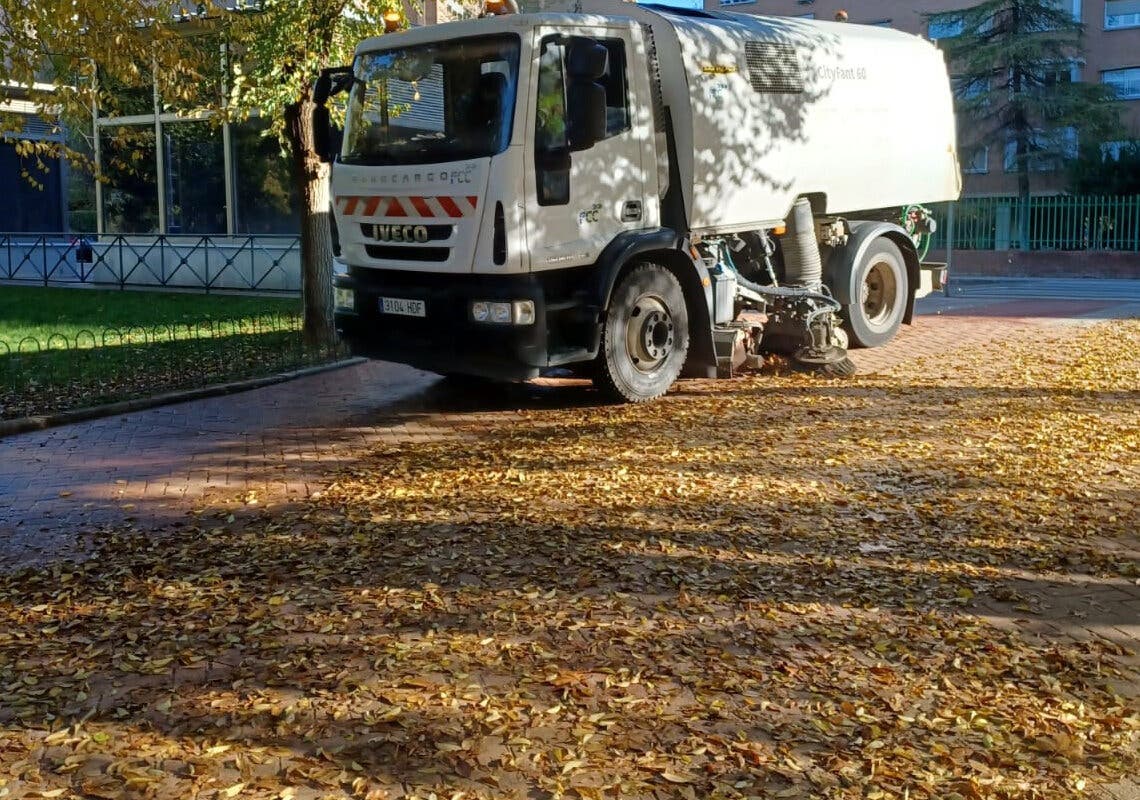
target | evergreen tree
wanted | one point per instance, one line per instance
(1098, 172)
(1012, 62)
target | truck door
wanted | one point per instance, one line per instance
(577, 202)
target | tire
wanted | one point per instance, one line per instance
(879, 296)
(645, 337)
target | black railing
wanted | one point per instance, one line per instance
(1055, 222)
(210, 263)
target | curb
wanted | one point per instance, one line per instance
(41, 422)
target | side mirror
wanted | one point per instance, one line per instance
(331, 81)
(585, 114)
(585, 97)
(585, 58)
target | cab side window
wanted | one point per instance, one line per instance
(551, 128)
(552, 155)
(551, 145)
(551, 133)
(616, 86)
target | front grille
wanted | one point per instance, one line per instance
(412, 253)
(774, 67)
(435, 233)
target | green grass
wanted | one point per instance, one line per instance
(68, 348)
(40, 312)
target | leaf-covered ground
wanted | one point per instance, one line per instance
(754, 588)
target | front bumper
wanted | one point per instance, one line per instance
(446, 339)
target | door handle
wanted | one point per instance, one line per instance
(631, 211)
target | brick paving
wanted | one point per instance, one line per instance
(151, 468)
(277, 445)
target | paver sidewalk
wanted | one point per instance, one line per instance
(277, 443)
(152, 467)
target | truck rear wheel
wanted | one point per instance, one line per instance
(880, 282)
(645, 338)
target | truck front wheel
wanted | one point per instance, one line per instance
(880, 285)
(645, 337)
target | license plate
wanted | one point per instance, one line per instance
(400, 305)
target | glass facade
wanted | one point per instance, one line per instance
(130, 197)
(165, 174)
(193, 181)
(195, 178)
(31, 201)
(267, 199)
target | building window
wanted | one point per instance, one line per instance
(945, 26)
(1126, 82)
(1073, 6)
(735, 2)
(1121, 14)
(976, 161)
(1060, 73)
(809, 15)
(1112, 151)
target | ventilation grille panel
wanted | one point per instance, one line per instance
(773, 67)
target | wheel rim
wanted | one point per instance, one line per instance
(879, 290)
(649, 333)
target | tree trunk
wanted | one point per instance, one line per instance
(311, 176)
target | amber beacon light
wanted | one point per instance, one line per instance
(499, 7)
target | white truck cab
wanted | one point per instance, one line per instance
(634, 190)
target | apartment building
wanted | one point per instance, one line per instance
(1111, 56)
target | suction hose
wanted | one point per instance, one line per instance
(802, 264)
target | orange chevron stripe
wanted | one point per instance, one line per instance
(381, 206)
(449, 206)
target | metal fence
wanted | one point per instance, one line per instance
(211, 263)
(1061, 222)
(58, 371)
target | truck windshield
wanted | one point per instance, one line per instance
(443, 101)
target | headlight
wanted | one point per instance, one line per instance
(344, 299)
(501, 313)
(523, 312)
